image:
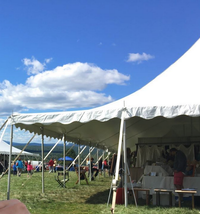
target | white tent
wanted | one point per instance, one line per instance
(167, 109)
(5, 150)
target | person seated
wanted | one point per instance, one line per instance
(82, 174)
(13, 206)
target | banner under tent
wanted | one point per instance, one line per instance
(167, 106)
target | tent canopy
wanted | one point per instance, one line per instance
(66, 158)
(5, 149)
(168, 106)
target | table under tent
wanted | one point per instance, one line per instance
(167, 106)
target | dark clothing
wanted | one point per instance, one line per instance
(180, 161)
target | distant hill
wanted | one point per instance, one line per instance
(57, 152)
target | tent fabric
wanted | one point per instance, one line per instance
(5, 149)
(169, 102)
(66, 158)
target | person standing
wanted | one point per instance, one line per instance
(51, 162)
(93, 169)
(19, 166)
(180, 163)
(29, 169)
(14, 169)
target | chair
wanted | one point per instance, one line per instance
(63, 181)
(82, 174)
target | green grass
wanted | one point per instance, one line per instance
(74, 198)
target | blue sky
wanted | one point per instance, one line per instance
(68, 55)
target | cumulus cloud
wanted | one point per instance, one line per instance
(33, 66)
(136, 57)
(76, 85)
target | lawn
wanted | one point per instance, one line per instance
(77, 199)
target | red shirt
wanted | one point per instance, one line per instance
(51, 162)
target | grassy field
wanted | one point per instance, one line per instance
(77, 199)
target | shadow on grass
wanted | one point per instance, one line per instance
(98, 198)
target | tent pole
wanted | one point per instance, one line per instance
(52, 149)
(9, 164)
(90, 166)
(6, 124)
(98, 161)
(114, 182)
(125, 166)
(87, 156)
(79, 171)
(76, 157)
(70, 149)
(64, 162)
(42, 151)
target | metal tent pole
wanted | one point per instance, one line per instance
(64, 162)
(125, 166)
(9, 165)
(90, 166)
(114, 182)
(42, 154)
(52, 149)
(6, 124)
(76, 157)
(79, 171)
(98, 161)
(87, 156)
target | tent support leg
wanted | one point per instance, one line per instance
(64, 162)
(76, 157)
(114, 182)
(125, 166)
(52, 149)
(42, 151)
(79, 171)
(98, 162)
(90, 167)
(87, 156)
(9, 165)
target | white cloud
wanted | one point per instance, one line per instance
(75, 85)
(33, 66)
(48, 60)
(136, 57)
